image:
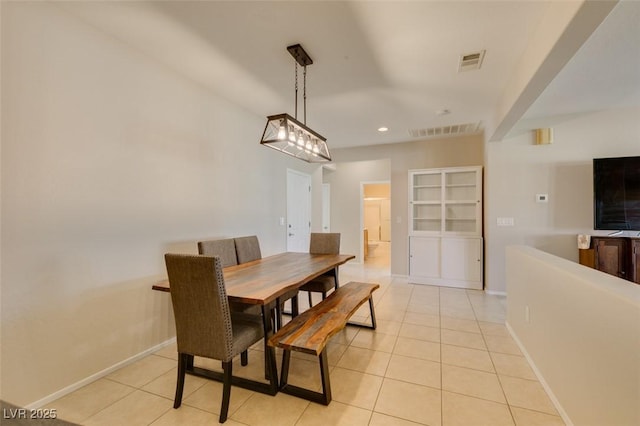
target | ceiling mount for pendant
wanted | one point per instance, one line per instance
(290, 136)
(300, 55)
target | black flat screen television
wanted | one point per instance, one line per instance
(616, 193)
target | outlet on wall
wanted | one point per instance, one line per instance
(504, 221)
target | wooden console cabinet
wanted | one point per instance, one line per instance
(635, 260)
(619, 256)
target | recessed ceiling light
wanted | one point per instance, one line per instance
(383, 129)
(443, 111)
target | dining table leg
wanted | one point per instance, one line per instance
(270, 369)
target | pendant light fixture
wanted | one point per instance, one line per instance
(286, 134)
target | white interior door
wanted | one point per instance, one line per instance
(298, 211)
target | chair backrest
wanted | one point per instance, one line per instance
(247, 249)
(324, 243)
(200, 306)
(226, 249)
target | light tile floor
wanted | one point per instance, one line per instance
(440, 356)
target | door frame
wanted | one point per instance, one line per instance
(362, 184)
(326, 207)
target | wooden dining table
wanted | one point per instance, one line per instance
(262, 282)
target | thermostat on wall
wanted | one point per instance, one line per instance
(542, 198)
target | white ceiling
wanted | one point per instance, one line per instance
(376, 63)
(603, 74)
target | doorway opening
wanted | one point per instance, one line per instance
(376, 212)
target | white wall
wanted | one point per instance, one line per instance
(516, 170)
(346, 199)
(581, 334)
(110, 160)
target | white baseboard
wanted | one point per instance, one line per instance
(540, 377)
(75, 386)
(495, 292)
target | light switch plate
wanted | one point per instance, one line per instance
(505, 221)
(542, 198)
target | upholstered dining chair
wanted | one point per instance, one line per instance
(247, 250)
(323, 243)
(224, 248)
(205, 325)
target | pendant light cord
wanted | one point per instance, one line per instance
(296, 102)
(304, 92)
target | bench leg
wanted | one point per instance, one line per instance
(324, 376)
(373, 313)
(373, 318)
(284, 371)
(320, 398)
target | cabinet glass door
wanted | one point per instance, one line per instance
(462, 202)
(426, 202)
(427, 187)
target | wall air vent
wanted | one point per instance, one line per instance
(446, 131)
(471, 61)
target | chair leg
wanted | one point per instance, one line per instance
(189, 362)
(310, 299)
(324, 295)
(295, 309)
(278, 315)
(244, 358)
(183, 360)
(227, 372)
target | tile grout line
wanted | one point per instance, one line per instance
(513, 419)
(441, 361)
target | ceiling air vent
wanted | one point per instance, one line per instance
(471, 61)
(445, 131)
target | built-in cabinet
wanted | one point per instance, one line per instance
(619, 256)
(445, 227)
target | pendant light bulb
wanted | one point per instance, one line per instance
(282, 134)
(292, 134)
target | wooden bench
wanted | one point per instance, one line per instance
(310, 331)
